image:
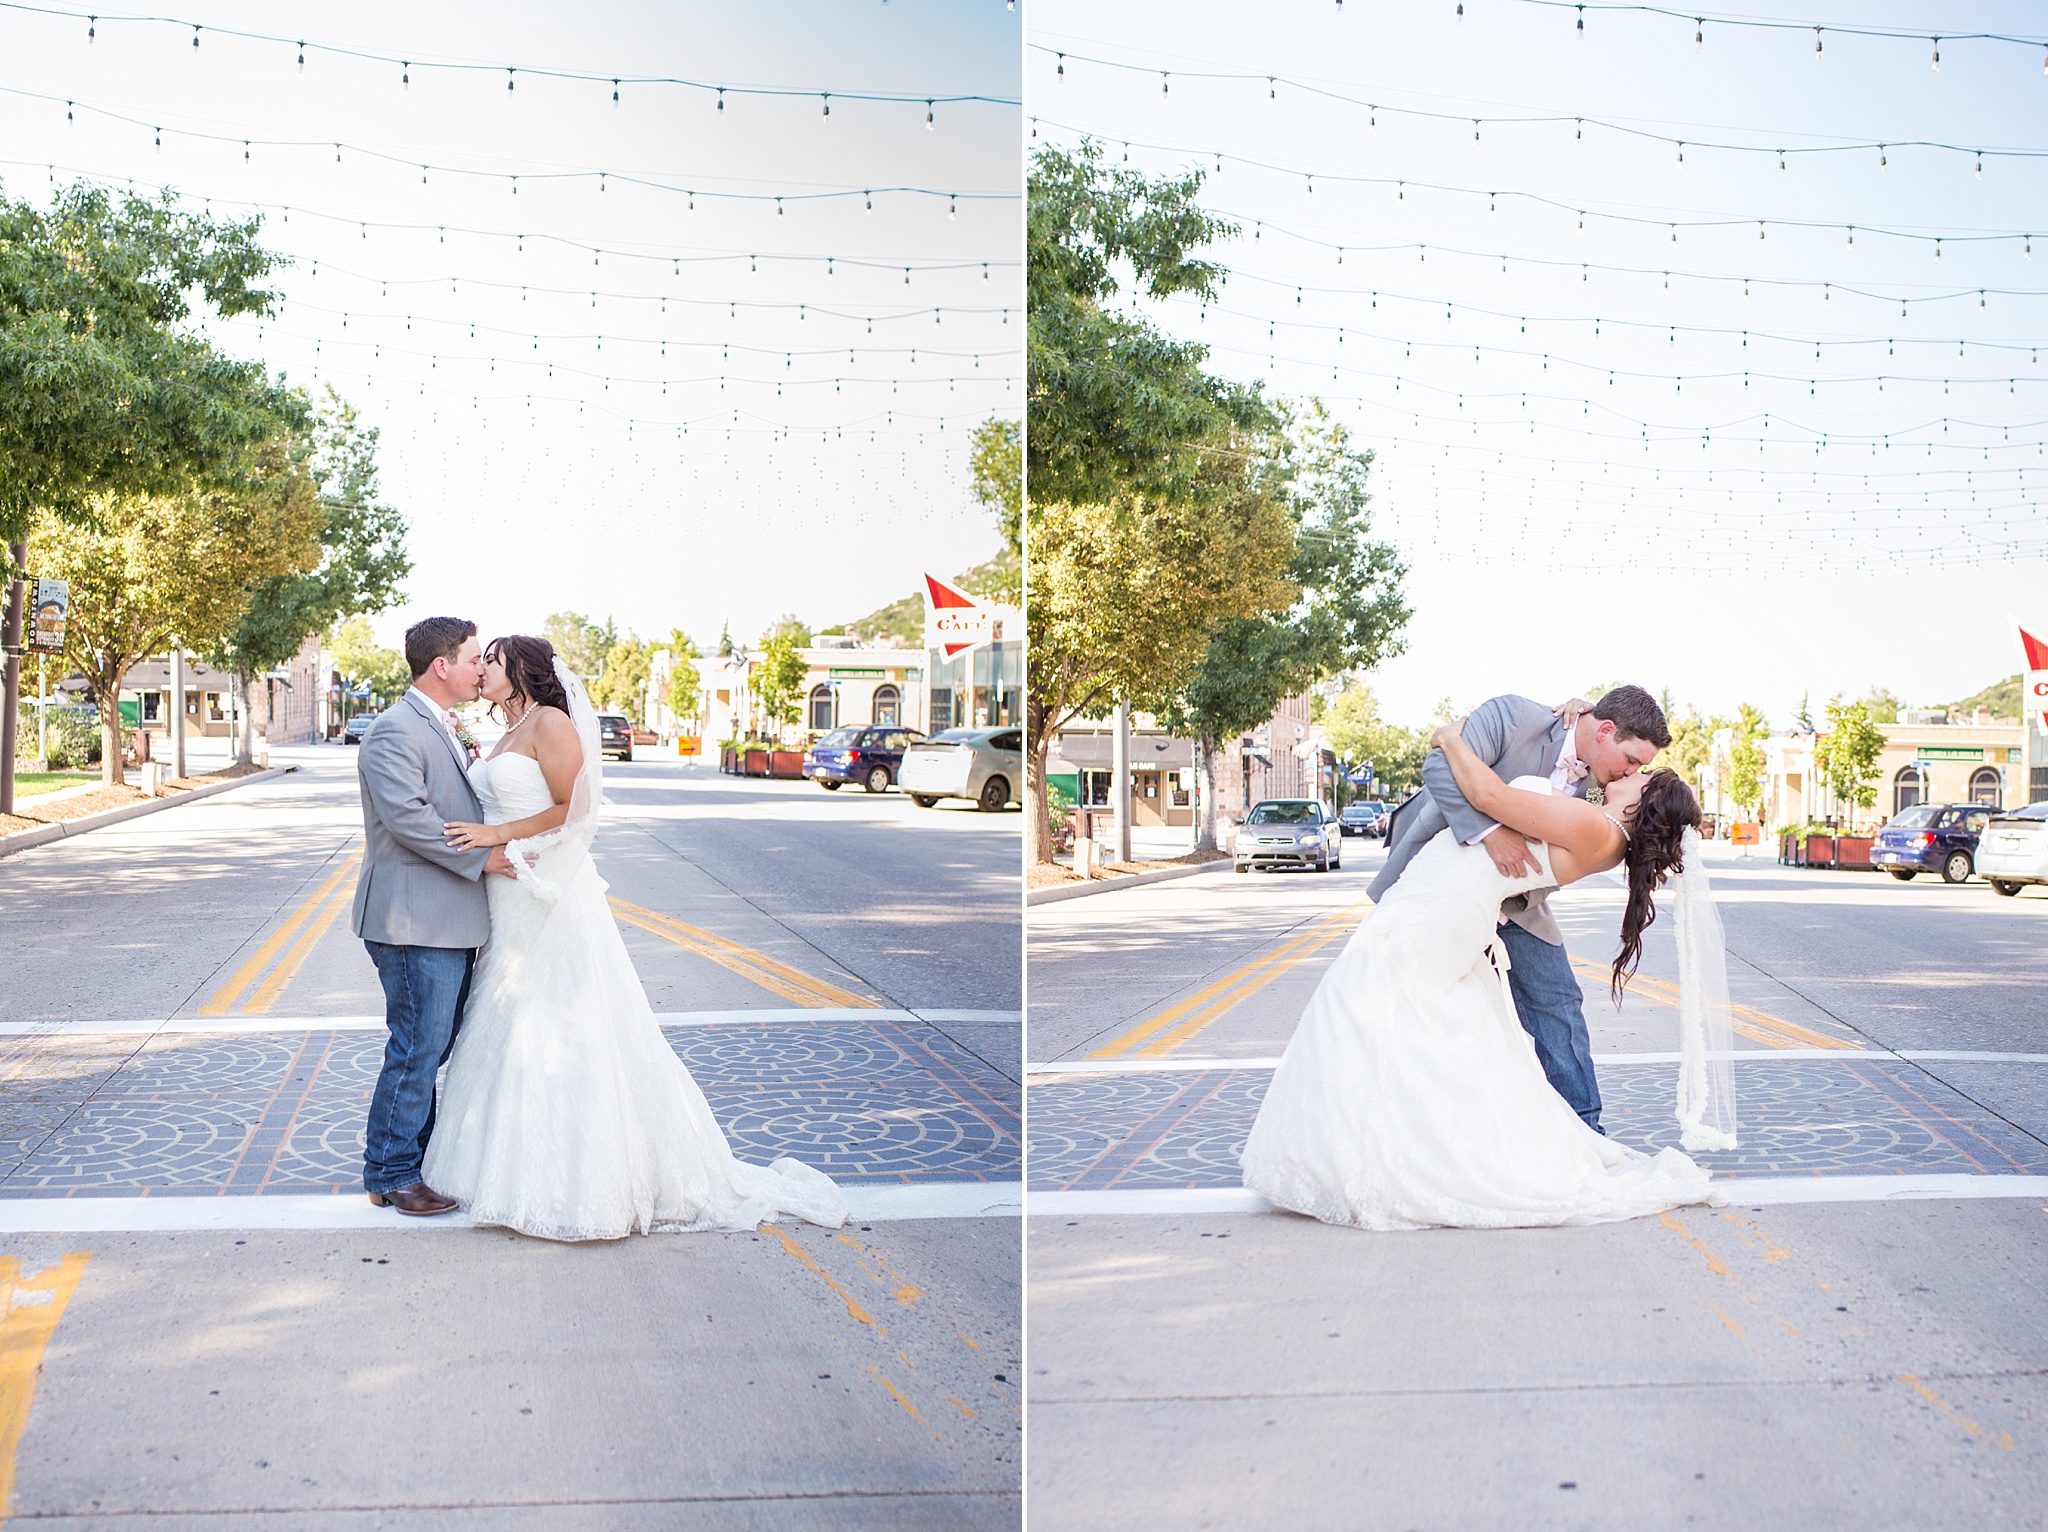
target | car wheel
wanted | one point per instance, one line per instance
(2007, 890)
(1902, 874)
(877, 779)
(995, 796)
(1957, 868)
(830, 787)
(923, 800)
(1244, 867)
(627, 756)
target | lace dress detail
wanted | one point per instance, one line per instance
(565, 1113)
(1410, 1097)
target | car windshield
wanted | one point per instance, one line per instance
(1285, 814)
(952, 737)
(1918, 817)
(612, 720)
(838, 738)
(2031, 811)
(1360, 811)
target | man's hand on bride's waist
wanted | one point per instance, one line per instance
(1510, 852)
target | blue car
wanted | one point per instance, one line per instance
(870, 756)
(1932, 837)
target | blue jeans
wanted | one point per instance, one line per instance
(425, 989)
(1553, 1012)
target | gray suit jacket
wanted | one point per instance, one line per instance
(1517, 738)
(414, 890)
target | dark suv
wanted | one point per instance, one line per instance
(1932, 837)
(869, 756)
(1367, 816)
(615, 735)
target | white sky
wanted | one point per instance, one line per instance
(845, 472)
(1551, 546)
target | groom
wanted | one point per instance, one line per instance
(1519, 738)
(420, 905)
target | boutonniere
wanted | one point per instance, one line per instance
(466, 739)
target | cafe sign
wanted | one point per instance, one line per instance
(2034, 683)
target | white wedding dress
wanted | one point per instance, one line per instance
(565, 1113)
(1410, 1097)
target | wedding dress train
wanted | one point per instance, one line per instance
(1410, 1097)
(565, 1113)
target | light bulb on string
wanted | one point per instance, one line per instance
(1980, 164)
(302, 55)
(929, 120)
(508, 78)
(91, 28)
(1936, 65)
(1162, 82)
(405, 75)
(721, 100)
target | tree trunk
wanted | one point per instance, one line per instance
(1037, 825)
(111, 772)
(245, 752)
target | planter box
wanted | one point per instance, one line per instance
(729, 760)
(1852, 853)
(786, 763)
(754, 763)
(1820, 851)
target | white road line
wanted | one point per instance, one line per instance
(70, 1027)
(1742, 1192)
(1740, 1055)
(150, 1215)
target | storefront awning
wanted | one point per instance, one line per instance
(1095, 752)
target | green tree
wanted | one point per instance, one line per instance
(1346, 616)
(581, 643)
(1882, 706)
(779, 674)
(998, 465)
(153, 568)
(1846, 755)
(362, 661)
(685, 681)
(622, 682)
(362, 557)
(1147, 521)
(1746, 760)
(105, 391)
(1692, 741)
(1358, 734)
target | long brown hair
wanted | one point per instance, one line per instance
(530, 669)
(1655, 850)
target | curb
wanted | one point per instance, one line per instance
(1059, 892)
(22, 840)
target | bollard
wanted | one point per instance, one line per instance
(1084, 857)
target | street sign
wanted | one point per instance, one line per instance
(51, 609)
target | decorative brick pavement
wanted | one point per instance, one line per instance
(1799, 1117)
(210, 1114)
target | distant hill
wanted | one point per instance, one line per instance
(2002, 697)
(904, 620)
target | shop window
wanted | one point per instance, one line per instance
(888, 707)
(822, 709)
(1906, 790)
(1985, 786)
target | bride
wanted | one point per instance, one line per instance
(565, 1113)
(1410, 1097)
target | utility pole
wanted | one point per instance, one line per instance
(177, 708)
(10, 672)
(1120, 781)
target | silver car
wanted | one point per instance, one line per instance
(985, 766)
(2013, 850)
(1289, 832)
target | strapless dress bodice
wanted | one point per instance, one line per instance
(510, 786)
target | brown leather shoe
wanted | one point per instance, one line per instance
(419, 1199)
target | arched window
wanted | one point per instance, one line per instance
(1984, 786)
(822, 708)
(888, 707)
(1906, 789)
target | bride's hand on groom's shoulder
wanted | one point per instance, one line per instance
(469, 837)
(1570, 709)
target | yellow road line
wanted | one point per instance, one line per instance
(32, 1310)
(288, 966)
(1757, 1026)
(770, 973)
(1208, 1003)
(246, 974)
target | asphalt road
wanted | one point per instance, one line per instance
(218, 1329)
(1858, 1340)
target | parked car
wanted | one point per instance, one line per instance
(1931, 837)
(615, 735)
(1368, 816)
(871, 756)
(985, 765)
(2013, 850)
(1288, 832)
(353, 731)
